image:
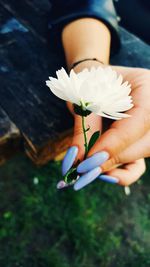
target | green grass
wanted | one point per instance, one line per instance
(95, 227)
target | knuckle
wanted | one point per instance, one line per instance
(125, 183)
(115, 160)
(122, 139)
(111, 164)
(117, 141)
(78, 131)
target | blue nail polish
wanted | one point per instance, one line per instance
(69, 159)
(87, 178)
(109, 179)
(94, 161)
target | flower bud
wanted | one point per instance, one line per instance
(80, 111)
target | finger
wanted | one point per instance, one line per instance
(139, 76)
(140, 149)
(77, 149)
(93, 122)
(70, 107)
(123, 133)
(127, 174)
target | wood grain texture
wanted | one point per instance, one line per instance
(27, 58)
(42, 119)
(32, 14)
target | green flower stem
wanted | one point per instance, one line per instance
(85, 136)
(68, 174)
(72, 175)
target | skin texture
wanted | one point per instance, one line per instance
(127, 141)
(86, 38)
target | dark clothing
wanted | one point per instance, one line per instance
(63, 12)
(135, 17)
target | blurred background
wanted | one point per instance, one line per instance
(39, 225)
(98, 226)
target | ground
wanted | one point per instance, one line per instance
(97, 226)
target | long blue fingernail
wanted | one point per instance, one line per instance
(69, 159)
(87, 178)
(109, 179)
(94, 161)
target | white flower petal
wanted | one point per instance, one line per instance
(56, 91)
(101, 90)
(113, 115)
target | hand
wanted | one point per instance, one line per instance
(126, 141)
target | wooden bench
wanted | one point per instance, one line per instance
(31, 118)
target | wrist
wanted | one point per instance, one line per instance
(84, 60)
(87, 64)
(86, 38)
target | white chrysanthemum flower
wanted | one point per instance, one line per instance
(99, 90)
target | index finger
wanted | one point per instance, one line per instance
(123, 133)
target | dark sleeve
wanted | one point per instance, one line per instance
(64, 11)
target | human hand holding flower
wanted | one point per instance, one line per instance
(127, 141)
(94, 161)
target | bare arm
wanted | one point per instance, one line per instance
(86, 38)
(90, 38)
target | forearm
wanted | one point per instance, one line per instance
(86, 38)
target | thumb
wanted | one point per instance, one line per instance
(121, 135)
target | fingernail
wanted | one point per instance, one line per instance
(94, 161)
(87, 178)
(69, 159)
(61, 184)
(109, 179)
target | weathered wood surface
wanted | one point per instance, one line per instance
(10, 141)
(33, 14)
(25, 65)
(26, 61)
